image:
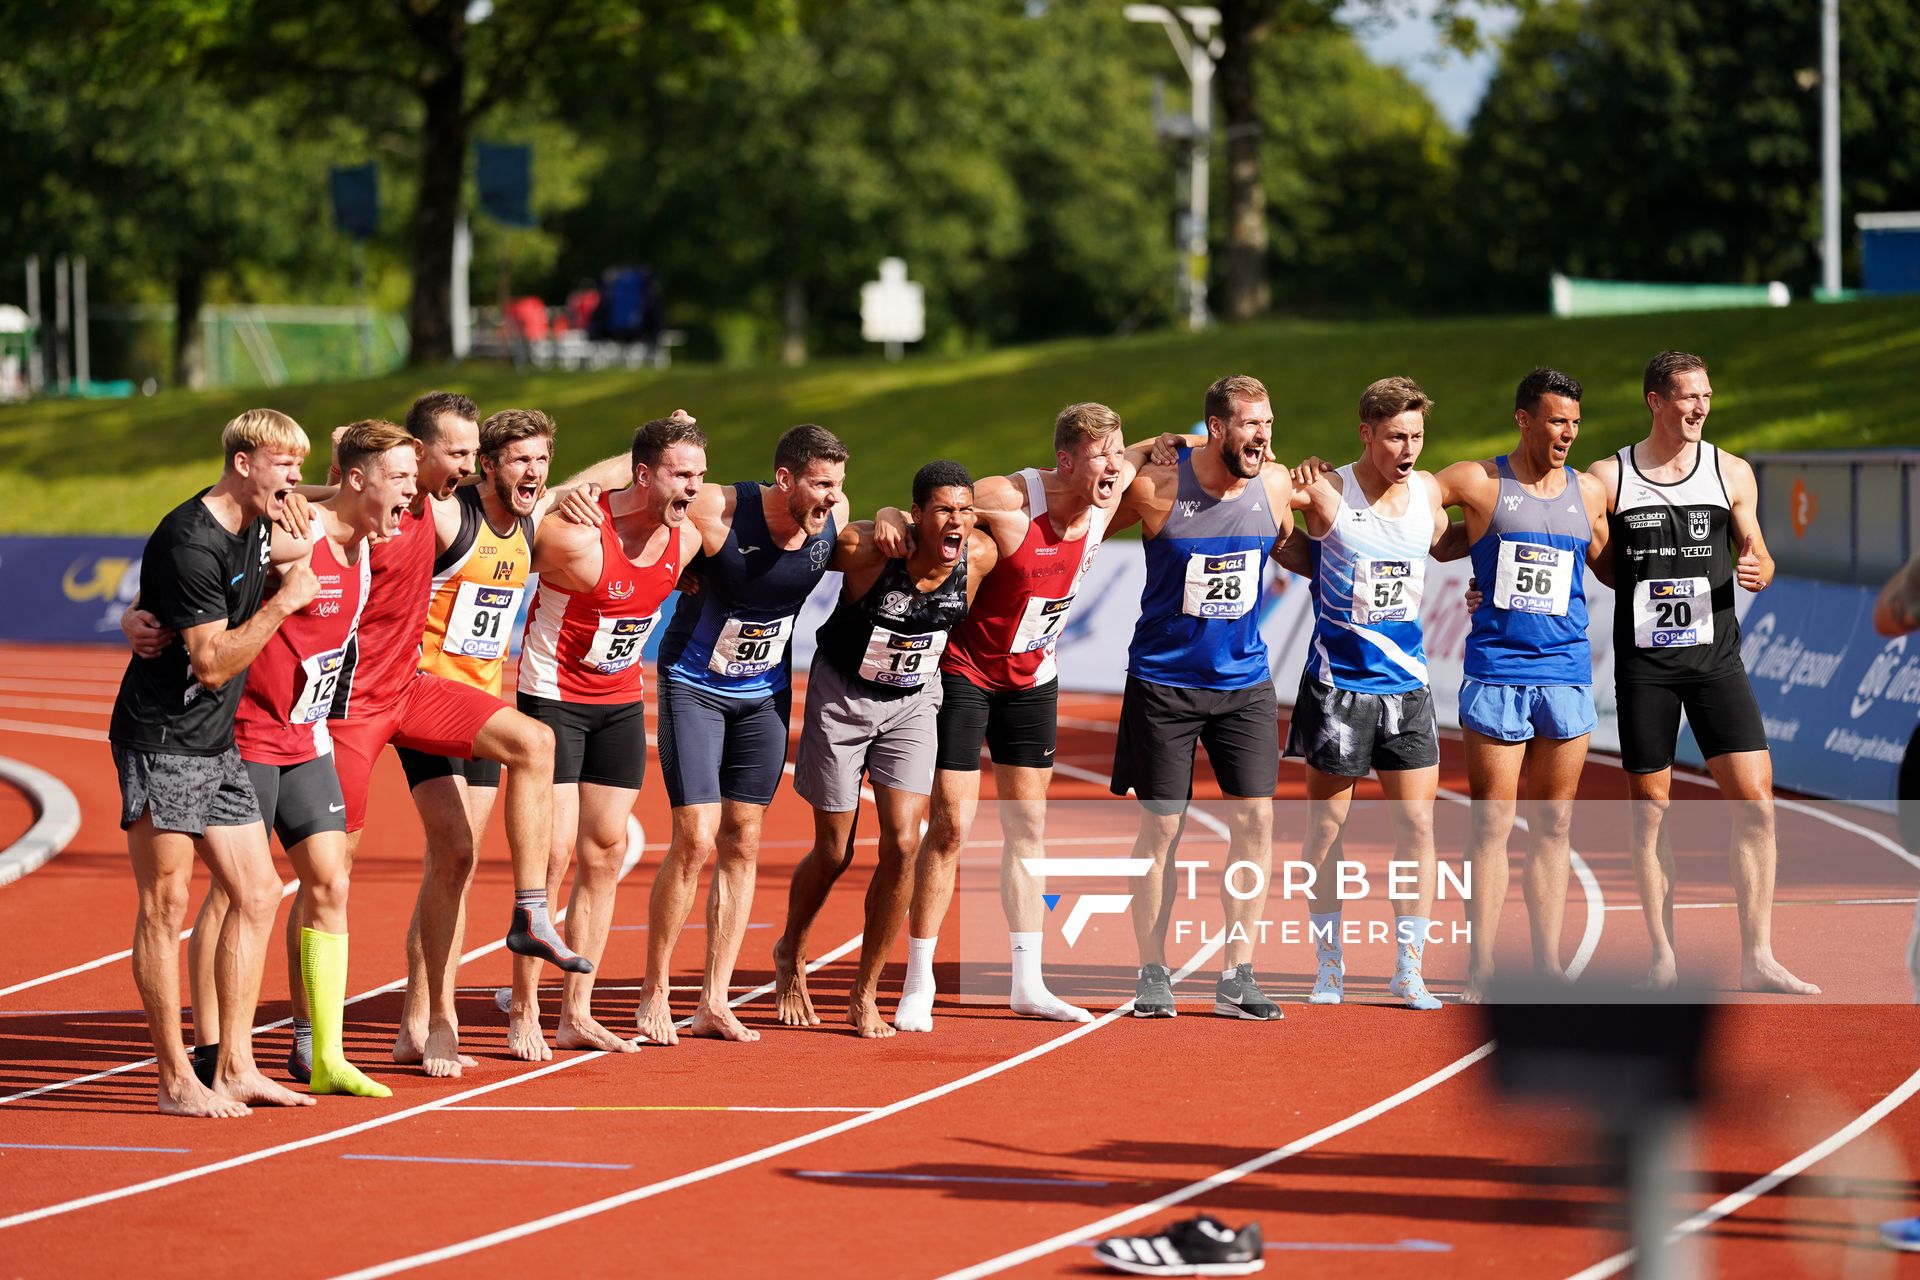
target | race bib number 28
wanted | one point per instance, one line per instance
(750, 648)
(1221, 586)
(1672, 613)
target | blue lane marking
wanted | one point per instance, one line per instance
(531, 1164)
(950, 1177)
(63, 1146)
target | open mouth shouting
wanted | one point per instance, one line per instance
(1105, 488)
(526, 494)
(278, 504)
(951, 545)
(1403, 468)
(390, 519)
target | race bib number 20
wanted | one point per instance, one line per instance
(1672, 613)
(1221, 586)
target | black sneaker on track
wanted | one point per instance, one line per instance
(1240, 997)
(1202, 1246)
(1153, 993)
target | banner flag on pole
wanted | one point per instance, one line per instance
(506, 182)
(356, 199)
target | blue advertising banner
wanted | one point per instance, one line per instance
(1839, 701)
(67, 589)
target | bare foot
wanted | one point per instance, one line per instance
(1764, 973)
(790, 988)
(1663, 976)
(191, 1098)
(720, 1024)
(410, 1043)
(252, 1088)
(1479, 989)
(655, 1016)
(864, 1016)
(442, 1057)
(524, 1038)
(586, 1033)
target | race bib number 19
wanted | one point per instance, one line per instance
(1041, 623)
(1672, 613)
(482, 620)
(319, 675)
(750, 648)
(904, 662)
(1531, 578)
(1387, 590)
(1221, 586)
(616, 644)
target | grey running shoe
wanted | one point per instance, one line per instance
(1153, 994)
(1240, 997)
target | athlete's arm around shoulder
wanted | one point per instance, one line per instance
(217, 653)
(1320, 499)
(711, 515)
(983, 553)
(1147, 499)
(1282, 496)
(1004, 524)
(566, 553)
(857, 557)
(1598, 485)
(1753, 568)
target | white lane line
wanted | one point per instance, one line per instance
(56, 820)
(440, 1104)
(1760, 1186)
(52, 730)
(636, 841)
(1778, 902)
(689, 1107)
(1589, 889)
(652, 1189)
(1214, 1181)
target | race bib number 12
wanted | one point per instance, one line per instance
(319, 675)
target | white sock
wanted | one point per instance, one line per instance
(1230, 971)
(919, 964)
(1026, 964)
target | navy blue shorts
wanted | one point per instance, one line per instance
(715, 748)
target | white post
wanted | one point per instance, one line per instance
(1200, 71)
(82, 349)
(462, 328)
(36, 358)
(60, 323)
(1830, 144)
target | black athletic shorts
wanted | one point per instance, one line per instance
(1160, 723)
(184, 793)
(299, 800)
(1019, 726)
(1346, 733)
(715, 748)
(1720, 709)
(600, 742)
(421, 767)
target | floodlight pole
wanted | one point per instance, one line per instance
(1830, 144)
(1191, 29)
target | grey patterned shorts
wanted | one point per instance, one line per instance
(184, 793)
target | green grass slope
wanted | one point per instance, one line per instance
(1799, 377)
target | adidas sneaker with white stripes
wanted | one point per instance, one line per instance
(1202, 1246)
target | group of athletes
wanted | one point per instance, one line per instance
(246, 709)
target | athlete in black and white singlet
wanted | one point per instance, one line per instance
(1673, 555)
(892, 637)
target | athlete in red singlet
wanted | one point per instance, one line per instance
(580, 675)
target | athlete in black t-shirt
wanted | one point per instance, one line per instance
(183, 790)
(1677, 509)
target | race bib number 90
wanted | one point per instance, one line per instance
(482, 620)
(1531, 578)
(1041, 623)
(750, 648)
(319, 676)
(617, 643)
(1221, 586)
(1387, 590)
(1672, 613)
(904, 662)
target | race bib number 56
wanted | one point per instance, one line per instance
(1672, 613)
(1531, 578)
(1221, 586)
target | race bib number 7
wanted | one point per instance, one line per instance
(1221, 586)
(481, 622)
(750, 648)
(319, 676)
(1531, 578)
(617, 643)
(1672, 613)
(1041, 623)
(1387, 590)
(904, 662)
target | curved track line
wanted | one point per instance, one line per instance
(1740, 1199)
(1225, 1176)
(56, 821)
(507, 1234)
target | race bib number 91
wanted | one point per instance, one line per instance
(617, 643)
(1531, 578)
(1387, 590)
(481, 621)
(1672, 613)
(903, 662)
(1221, 586)
(1041, 623)
(750, 648)
(319, 676)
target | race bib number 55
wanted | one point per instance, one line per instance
(1221, 586)
(750, 648)
(617, 643)
(1672, 613)
(1531, 578)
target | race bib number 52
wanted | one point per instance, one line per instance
(1672, 613)
(1221, 586)
(1387, 590)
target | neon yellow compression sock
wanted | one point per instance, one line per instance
(323, 970)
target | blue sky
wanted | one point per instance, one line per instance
(1406, 40)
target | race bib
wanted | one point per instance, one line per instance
(1672, 613)
(482, 620)
(1387, 590)
(1221, 586)
(319, 675)
(1041, 623)
(616, 644)
(903, 662)
(750, 648)
(1531, 578)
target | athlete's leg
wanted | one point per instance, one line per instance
(831, 854)
(1022, 808)
(696, 831)
(1410, 794)
(1649, 796)
(1493, 781)
(202, 950)
(1250, 840)
(600, 820)
(240, 862)
(321, 974)
(1553, 778)
(901, 813)
(454, 818)
(525, 1040)
(1745, 779)
(729, 904)
(956, 799)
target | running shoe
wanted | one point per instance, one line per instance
(1202, 1246)
(1902, 1234)
(1240, 997)
(1153, 994)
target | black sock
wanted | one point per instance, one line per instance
(206, 1057)
(533, 933)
